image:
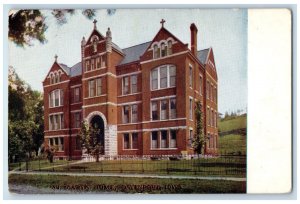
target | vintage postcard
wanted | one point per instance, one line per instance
(127, 101)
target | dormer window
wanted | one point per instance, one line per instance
(163, 50)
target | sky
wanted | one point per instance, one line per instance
(225, 30)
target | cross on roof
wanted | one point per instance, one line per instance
(55, 57)
(162, 22)
(95, 21)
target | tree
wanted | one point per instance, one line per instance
(199, 138)
(90, 141)
(28, 25)
(25, 118)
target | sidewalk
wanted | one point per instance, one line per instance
(129, 175)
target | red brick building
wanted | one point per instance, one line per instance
(142, 97)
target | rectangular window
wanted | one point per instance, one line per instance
(211, 92)
(172, 74)
(91, 88)
(56, 99)
(92, 64)
(126, 141)
(191, 76)
(103, 64)
(154, 79)
(154, 110)
(125, 114)
(163, 77)
(99, 86)
(154, 141)
(191, 109)
(76, 95)
(51, 141)
(173, 108)
(134, 115)
(87, 66)
(208, 119)
(201, 85)
(134, 140)
(207, 90)
(163, 109)
(163, 141)
(191, 138)
(51, 99)
(98, 63)
(125, 85)
(212, 118)
(78, 144)
(77, 118)
(61, 144)
(133, 81)
(173, 139)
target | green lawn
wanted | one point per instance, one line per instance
(129, 185)
(240, 122)
(233, 144)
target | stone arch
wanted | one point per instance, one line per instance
(94, 113)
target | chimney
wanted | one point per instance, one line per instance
(194, 31)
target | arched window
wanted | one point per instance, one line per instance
(156, 52)
(169, 47)
(163, 50)
(163, 77)
(52, 78)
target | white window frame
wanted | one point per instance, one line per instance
(131, 85)
(191, 73)
(123, 85)
(171, 109)
(160, 110)
(123, 114)
(52, 97)
(191, 108)
(170, 139)
(137, 110)
(158, 77)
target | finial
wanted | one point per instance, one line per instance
(95, 26)
(162, 22)
(55, 57)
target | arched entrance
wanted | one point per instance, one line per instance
(97, 124)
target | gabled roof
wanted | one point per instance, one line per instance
(73, 71)
(133, 53)
(202, 55)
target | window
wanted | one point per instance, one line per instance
(163, 50)
(130, 141)
(98, 63)
(163, 77)
(169, 47)
(56, 122)
(125, 114)
(163, 142)
(211, 92)
(56, 98)
(87, 66)
(78, 144)
(154, 141)
(134, 111)
(134, 140)
(133, 81)
(173, 108)
(191, 76)
(207, 89)
(172, 138)
(102, 61)
(61, 144)
(99, 86)
(126, 141)
(92, 64)
(154, 77)
(216, 119)
(201, 85)
(163, 109)
(191, 109)
(191, 138)
(208, 119)
(125, 85)
(56, 78)
(77, 118)
(172, 73)
(212, 118)
(92, 88)
(154, 110)
(156, 52)
(76, 96)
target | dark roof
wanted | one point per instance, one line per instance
(117, 47)
(76, 70)
(202, 55)
(73, 71)
(65, 68)
(133, 53)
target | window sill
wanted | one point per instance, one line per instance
(130, 123)
(57, 106)
(76, 103)
(163, 88)
(95, 69)
(95, 96)
(130, 149)
(163, 148)
(123, 95)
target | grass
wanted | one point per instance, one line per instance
(128, 185)
(36, 164)
(233, 144)
(239, 122)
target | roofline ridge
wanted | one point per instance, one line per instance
(137, 45)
